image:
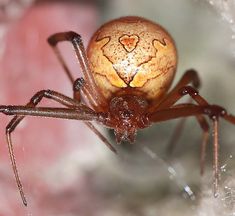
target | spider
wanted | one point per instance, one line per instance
(128, 69)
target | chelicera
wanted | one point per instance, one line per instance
(128, 69)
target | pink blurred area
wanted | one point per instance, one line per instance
(27, 66)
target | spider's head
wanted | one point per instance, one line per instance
(127, 114)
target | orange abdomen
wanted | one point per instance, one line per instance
(132, 54)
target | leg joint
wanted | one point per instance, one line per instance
(195, 78)
(215, 111)
(188, 90)
(78, 84)
(8, 129)
(39, 95)
(64, 36)
(6, 109)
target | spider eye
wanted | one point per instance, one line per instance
(126, 114)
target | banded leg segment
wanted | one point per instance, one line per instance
(62, 99)
(78, 91)
(193, 93)
(213, 111)
(82, 89)
(77, 111)
(188, 90)
(190, 76)
(97, 100)
(177, 95)
(205, 138)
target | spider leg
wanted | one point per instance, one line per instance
(193, 93)
(177, 94)
(80, 113)
(175, 136)
(181, 92)
(80, 86)
(190, 76)
(96, 98)
(78, 91)
(213, 111)
(62, 99)
(205, 138)
(53, 40)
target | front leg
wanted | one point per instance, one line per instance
(181, 92)
(86, 90)
(97, 99)
(79, 91)
(62, 99)
(177, 93)
(189, 77)
(213, 111)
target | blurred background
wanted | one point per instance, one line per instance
(65, 169)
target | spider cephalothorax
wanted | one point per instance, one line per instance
(127, 113)
(129, 66)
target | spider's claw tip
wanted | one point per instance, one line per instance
(25, 203)
(113, 150)
(2, 108)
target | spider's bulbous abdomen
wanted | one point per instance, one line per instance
(135, 54)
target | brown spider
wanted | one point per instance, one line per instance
(128, 69)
